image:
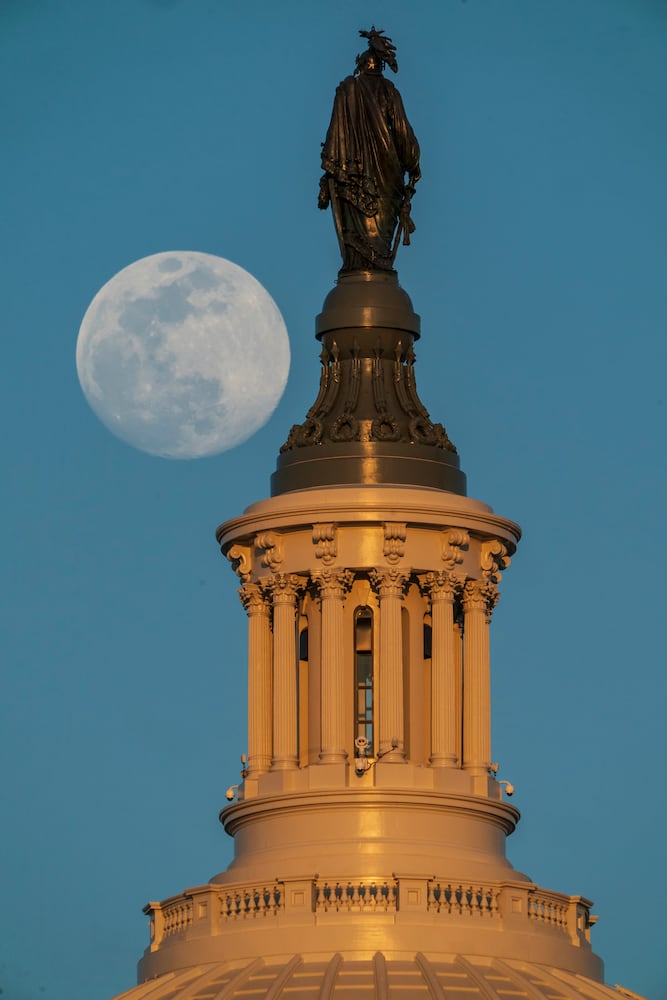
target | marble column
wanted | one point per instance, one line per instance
(479, 597)
(458, 679)
(284, 588)
(332, 585)
(390, 585)
(259, 678)
(445, 725)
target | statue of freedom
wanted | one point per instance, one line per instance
(369, 148)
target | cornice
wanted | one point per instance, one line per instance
(498, 813)
(364, 504)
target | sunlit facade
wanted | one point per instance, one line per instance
(370, 825)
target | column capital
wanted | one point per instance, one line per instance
(389, 582)
(480, 595)
(333, 582)
(254, 599)
(441, 585)
(284, 587)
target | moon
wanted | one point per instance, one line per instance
(183, 354)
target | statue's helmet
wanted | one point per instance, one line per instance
(380, 52)
(369, 62)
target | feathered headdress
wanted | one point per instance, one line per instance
(382, 46)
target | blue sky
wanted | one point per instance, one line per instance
(538, 268)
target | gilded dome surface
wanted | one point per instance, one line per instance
(377, 977)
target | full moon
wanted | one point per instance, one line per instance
(183, 354)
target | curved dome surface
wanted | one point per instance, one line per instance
(377, 977)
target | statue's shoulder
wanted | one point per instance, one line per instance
(390, 89)
(346, 85)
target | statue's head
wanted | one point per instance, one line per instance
(369, 62)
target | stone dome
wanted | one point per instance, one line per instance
(376, 977)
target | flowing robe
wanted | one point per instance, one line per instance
(369, 148)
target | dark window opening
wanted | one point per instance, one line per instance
(363, 676)
(303, 644)
(428, 642)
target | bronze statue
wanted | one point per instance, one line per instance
(369, 148)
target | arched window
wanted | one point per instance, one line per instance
(363, 676)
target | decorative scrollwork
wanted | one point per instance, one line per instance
(454, 540)
(395, 534)
(270, 543)
(324, 539)
(493, 559)
(239, 557)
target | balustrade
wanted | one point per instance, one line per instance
(511, 902)
(176, 917)
(548, 909)
(251, 901)
(473, 900)
(354, 895)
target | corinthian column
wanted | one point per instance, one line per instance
(332, 587)
(259, 678)
(390, 585)
(479, 598)
(458, 678)
(284, 588)
(445, 725)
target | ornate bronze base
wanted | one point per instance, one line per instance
(368, 424)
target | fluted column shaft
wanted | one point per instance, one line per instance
(478, 601)
(444, 722)
(259, 678)
(284, 590)
(390, 586)
(458, 683)
(332, 587)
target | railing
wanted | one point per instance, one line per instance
(209, 909)
(367, 896)
(474, 900)
(548, 908)
(251, 901)
(176, 916)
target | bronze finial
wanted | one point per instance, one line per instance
(369, 149)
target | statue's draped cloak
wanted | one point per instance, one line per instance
(369, 148)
